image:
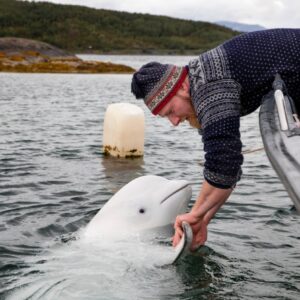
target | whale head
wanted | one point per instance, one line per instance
(144, 204)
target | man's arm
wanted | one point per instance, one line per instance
(207, 204)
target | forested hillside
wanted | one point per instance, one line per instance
(82, 29)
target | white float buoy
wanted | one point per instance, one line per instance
(124, 130)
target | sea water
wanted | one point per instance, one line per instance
(54, 178)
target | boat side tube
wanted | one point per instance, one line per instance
(278, 120)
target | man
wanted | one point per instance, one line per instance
(212, 93)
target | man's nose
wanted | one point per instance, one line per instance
(174, 120)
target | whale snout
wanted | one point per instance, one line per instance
(185, 188)
(175, 201)
(177, 196)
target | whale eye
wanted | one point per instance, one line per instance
(142, 211)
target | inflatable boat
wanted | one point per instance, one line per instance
(280, 130)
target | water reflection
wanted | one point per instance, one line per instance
(119, 171)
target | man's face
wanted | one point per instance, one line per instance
(180, 109)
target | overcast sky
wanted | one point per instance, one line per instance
(267, 13)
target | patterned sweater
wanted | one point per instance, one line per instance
(228, 82)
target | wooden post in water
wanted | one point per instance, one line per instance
(124, 130)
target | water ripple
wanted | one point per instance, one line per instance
(54, 178)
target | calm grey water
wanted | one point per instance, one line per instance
(54, 178)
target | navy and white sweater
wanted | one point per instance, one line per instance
(228, 82)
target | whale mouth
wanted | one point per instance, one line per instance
(173, 193)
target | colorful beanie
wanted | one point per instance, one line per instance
(157, 83)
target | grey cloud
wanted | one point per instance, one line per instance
(268, 13)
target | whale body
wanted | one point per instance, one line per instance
(147, 203)
(108, 259)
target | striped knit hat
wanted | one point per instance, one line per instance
(157, 83)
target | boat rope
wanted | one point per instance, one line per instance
(252, 150)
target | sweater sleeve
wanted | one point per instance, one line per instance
(217, 104)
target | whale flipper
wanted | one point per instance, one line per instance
(184, 246)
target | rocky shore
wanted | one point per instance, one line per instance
(23, 55)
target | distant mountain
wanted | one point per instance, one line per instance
(240, 26)
(81, 29)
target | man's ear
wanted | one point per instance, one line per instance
(186, 85)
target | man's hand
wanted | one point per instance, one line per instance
(198, 226)
(209, 201)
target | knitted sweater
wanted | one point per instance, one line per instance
(228, 82)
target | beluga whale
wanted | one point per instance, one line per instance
(126, 241)
(146, 208)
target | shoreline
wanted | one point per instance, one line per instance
(155, 53)
(35, 62)
(132, 54)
